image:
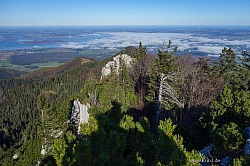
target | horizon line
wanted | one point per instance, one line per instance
(109, 25)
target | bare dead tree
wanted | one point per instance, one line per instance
(167, 94)
(199, 85)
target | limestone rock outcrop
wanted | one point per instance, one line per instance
(43, 151)
(115, 64)
(15, 156)
(79, 114)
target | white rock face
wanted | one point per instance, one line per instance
(106, 70)
(15, 156)
(58, 134)
(53, 134)
(43, 151)
(79, 114)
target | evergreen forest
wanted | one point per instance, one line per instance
(159, 110)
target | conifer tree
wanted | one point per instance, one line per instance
(126, 88)
(246, 59)
(229, 116)
(228, 138)
(170, 150)
(228, 68)
(227, 61)
(48, 125)
(163, 82)
(139, 73)
(164, 66)
(245, 72)
(108, 90)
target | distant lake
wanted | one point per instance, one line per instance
(14, 45)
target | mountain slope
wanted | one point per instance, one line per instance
(49, 72)
(8, 73)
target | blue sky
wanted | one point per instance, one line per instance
(123, 12)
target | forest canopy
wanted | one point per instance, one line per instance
(159, 110)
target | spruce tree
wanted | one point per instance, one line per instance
(48, 125)
(164, 64)
(139, 73)
(170, 150)
(228, 118)
(163, 89)
(245, 59)
(245, 72)
(228, 69)
(227, 61)
(126, 90)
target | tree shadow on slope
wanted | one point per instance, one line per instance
(115, 138)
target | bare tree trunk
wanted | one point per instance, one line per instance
(166, 95)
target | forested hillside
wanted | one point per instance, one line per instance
(156, 110)
(8, 73)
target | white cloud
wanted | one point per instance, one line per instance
(210, 49)
(74, 45)
(183, 41)
(213, 55)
